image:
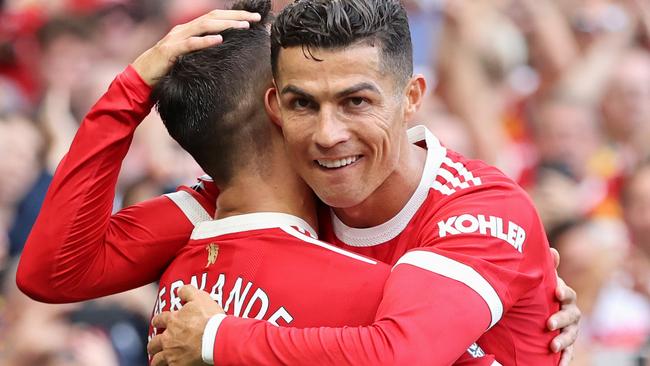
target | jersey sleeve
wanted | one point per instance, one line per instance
(423, 319)
(491, 240)
(77, 250)
(473, 261)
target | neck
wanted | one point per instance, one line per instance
(277, 190)
(389, 199)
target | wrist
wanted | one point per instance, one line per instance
(141, 66)
(209, 338)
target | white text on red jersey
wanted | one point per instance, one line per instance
(241, 300)
(493, 226)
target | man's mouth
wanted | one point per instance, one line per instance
(338, 163)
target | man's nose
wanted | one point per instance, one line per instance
(331, 130)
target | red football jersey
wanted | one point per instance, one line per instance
(468, 222)
(468, 246)
(270, 266)
(469, 242)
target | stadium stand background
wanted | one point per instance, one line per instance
(556, 93)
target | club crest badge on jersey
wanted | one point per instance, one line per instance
(213, 251)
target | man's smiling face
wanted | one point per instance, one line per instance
(342, 115)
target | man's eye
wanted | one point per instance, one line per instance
(356, 101)
(301, 103)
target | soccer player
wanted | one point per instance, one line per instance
(298, 280)
(77, 250)
(259, 258)
(463, 239)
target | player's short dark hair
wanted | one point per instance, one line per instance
(212, 101)
(334, 24)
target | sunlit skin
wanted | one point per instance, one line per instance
(348, 106)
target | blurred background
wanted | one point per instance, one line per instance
(556, 93)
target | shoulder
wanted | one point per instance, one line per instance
(198, 201)
(460, 184)
(475, 202)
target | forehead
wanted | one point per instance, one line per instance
(330, 68)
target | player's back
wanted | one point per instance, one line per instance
(269, 266)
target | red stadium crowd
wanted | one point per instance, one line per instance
(556, 93)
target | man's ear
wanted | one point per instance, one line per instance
(415, 91)
(272, 105)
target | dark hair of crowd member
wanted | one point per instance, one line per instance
(212, 100)
(327, 24)
(58, 27)
(557, 233)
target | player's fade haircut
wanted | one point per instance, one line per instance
(211, 101)
(337, 24)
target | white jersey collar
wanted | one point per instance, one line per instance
(247, 222)
(392, 228)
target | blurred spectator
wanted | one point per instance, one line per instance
(616, 319)
(179, 11)
(570, 180)
(67, 55)
(56, 59)
(592, 19)
(626, 107)
(39, 334)
(110, 331)
(566, 135)
(22, 180)
(125, 28)
(555, 92)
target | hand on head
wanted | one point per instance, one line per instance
(197, 34)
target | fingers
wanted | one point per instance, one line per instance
(188, 293)
(158, 360)
(155, 345)
(567, 356)
(220, 14)
(216, 21)
(198, 43)
(161, 320)
(568, 315)
(560, 288)
(565, 294)
(566, 339)
(556, 257)
(190, 37)
(197, 34)
(203, 26)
